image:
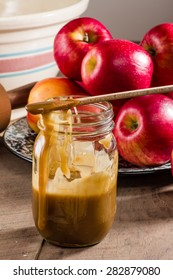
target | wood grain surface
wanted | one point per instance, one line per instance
(143, 228)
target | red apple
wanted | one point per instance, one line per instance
(116, 65)
(172, 162)
(117, 104)
(144, 130)
(74, 40)
(158, 41)
(51, 87)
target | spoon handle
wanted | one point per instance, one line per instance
(125, 94)
(57, 104)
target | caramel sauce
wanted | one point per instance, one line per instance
(43, 178)
(80, 214)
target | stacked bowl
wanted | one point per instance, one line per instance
(27, 31)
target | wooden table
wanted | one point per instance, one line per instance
(143, 228)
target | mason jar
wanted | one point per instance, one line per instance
(74, 175)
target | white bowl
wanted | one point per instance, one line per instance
(27, 32)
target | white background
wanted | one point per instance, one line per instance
(130, 19)
(102, 267)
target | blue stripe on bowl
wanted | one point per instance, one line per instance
(25, 52)
(38, 69)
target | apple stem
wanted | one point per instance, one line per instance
(86, 37)
(134, 125)
(151, 51)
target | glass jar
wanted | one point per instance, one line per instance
(74, 175)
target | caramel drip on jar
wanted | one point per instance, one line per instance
(43, 179)
(50, 139)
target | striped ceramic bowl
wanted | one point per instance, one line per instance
(27, 32)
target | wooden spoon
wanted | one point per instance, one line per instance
(65, 104)
(19, 96)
